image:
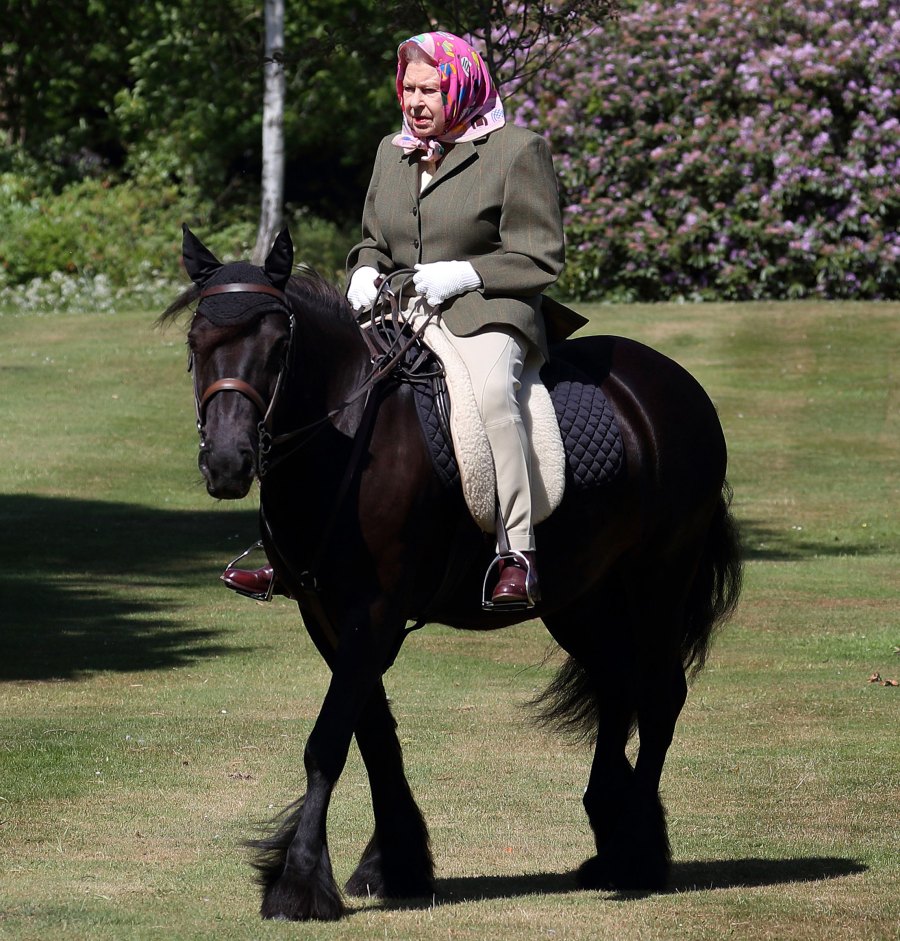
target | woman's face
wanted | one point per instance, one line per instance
(422, 102)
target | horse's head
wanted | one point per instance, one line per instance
(238, 339)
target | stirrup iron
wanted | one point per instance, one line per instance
(255, 595)
(492, 576)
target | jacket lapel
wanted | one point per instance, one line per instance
(409, 171)
(460, 156)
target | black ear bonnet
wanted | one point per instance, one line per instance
(206, 271)
(239, 307)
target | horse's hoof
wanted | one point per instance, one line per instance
(299, 910)
(288, 900)
(634, 875)
(595, 873)
(365, 885)
(393, 878)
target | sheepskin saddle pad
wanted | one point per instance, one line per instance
(572, 429)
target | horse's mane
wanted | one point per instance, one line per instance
(308, 289)
(181, 303)
(305, 290)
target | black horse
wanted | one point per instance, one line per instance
(635, 575)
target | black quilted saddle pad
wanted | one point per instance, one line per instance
(591, 437)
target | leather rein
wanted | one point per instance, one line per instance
(385, 356)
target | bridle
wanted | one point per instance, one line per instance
(385, 356)
(235, 384)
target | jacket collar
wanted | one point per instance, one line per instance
(460, 156)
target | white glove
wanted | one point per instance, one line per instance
(362, 291)
(442, 279)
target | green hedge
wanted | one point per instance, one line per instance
(98, 245)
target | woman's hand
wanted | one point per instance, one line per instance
(442, 279)
(362, 290)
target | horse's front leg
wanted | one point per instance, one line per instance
(397, 862)
(294, 865)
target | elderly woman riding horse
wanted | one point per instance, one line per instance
(471, 203)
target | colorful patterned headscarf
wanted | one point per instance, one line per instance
(472, 107)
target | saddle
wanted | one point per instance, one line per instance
(575, 438)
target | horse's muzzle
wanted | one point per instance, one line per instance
(228, 472)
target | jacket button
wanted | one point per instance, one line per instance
(415, 210)
(416, 243)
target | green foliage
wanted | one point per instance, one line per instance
(149, 114)
(91, 246)
(96, 246)
(62, 67)
(171, 92)
(89, 228)
(193, 98)
(318, 243)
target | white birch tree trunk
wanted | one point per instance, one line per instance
(272, 188)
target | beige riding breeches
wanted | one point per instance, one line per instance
(497, 357)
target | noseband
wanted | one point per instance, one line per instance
(233, 384)
(229, 385)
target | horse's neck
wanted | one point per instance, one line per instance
(329, 362)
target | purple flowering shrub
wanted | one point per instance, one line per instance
(709, 149)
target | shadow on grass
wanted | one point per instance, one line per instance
(686, 877)
(763, 543)
(89, 586)
(747, 873)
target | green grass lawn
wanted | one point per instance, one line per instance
(149, 719)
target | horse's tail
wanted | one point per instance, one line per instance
(716, 588)
(571, 702)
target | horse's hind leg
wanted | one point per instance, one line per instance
(397, 862)
(635, 853)
(634, 676)
(594, 695)
(610, 786)
(658, 711)
(633, 848)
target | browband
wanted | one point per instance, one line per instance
(244, 287)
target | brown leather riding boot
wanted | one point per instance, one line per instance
(517, 585)
(253, 583)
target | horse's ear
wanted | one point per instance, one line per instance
(199, 262)
(281, 258)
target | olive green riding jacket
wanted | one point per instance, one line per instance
(492, 202)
